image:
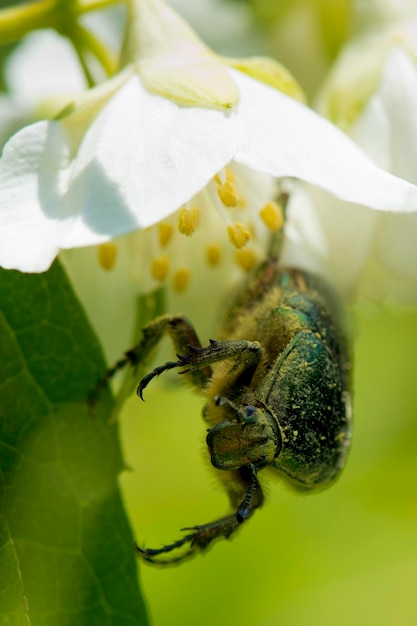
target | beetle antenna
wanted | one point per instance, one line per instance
(237, 410)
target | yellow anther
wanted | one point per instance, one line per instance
(228, 194)
(165, 233)
(230, 177)
(213, 254)
(273, 216)
(238, 234)
(246, 259)
(227, 191)
(160, 267)
(107, 253)
(180, 280)
(188, 220)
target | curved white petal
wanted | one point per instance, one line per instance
(34, 172)
(284, 138)
(141, 159)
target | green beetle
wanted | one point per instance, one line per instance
(279, 396)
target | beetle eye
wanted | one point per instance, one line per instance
(249, 414)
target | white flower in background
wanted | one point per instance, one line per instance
(177, 130)
(372, 94)
(41, 74)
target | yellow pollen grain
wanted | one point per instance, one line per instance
(213, 254)
(238, 234)
(180, 280)
(107, 253)
(246, 259)
(160, 267)
(164, 233)
(188, 220)
(273, 216)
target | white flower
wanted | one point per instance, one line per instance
(41, 67)
(379, 249)
(41, 75)
(130, 152)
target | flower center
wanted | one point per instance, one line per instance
(224, 227)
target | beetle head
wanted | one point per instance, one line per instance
(252, 439)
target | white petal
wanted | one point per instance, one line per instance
(33, 178)
(141, 159)
(284, 138)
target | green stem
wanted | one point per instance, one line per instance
(79, 47)
(88, 42)
(18, 21)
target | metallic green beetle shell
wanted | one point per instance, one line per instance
(302, 380)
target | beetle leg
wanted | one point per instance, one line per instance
(248, 354)
(183, 336)
(245, 508)
(198, 540)
(202, 535)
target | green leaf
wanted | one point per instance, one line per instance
(66, 549)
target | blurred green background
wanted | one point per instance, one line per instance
(345, 556)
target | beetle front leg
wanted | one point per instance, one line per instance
(203, 535)
(184, 338)
(247, 353)
(198, 540)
